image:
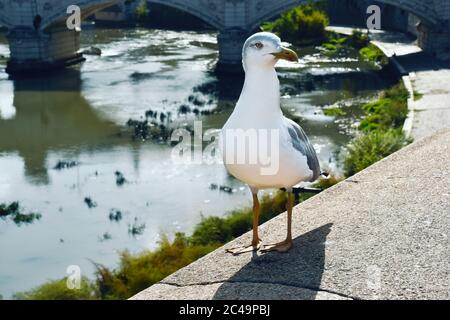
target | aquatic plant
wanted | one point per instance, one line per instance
(90, 203)
(6, 210)
(20, 218)
(13, 211)
(334, 112)
(141, 129)
(136, 229)
(115, 215)
(60, 165)
(120, 178)
(184, 109)
(196, 100)
(335, 44)
(105, 237)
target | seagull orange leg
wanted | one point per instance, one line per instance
(285, 245)
(256, 242)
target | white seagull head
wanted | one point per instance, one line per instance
(263, 50)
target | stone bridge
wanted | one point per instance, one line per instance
(39, 38)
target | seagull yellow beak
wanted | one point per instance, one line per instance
(286, 54)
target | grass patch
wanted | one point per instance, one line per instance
(390, 111)
(58, 290)
(371, 147)
(380, 131)
(137, 272)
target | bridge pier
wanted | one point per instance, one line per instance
(435, 39)
(34, 51)
(230, 43)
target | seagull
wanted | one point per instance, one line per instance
(260, 146)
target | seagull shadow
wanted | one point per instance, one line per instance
(301, 267)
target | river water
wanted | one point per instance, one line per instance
(80, 115)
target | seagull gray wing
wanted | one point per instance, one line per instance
(301, 143)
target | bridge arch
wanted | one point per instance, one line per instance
(210, 12)
(58, 12)
(268, 9)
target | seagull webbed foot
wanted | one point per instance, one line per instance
(244, 249)
(283, 247)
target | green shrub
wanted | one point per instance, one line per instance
(304, 22)
(381, 130)
(58, 290)
(388, 112)
(137, 272)
(371, 147)
(212, 230)
(398, 92)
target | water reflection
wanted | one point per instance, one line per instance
(50, 113)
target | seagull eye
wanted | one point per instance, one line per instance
(259, 45)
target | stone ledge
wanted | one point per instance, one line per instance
(239, 290)
(383, 234)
